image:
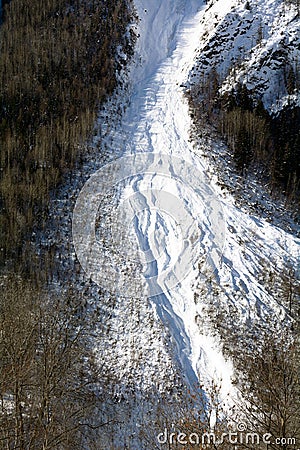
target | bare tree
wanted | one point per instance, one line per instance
(50, 386)
(269, 383)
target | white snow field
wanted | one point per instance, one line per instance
(190, 235)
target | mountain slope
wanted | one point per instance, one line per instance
(256, 44)
(205, 263)
(228, 269)
(246, 83)
(251, 244)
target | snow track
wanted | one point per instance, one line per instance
(179, 223)
(161, 125)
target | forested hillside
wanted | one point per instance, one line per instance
(59, 61)
(246, 85)
(191, 329)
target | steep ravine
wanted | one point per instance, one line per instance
(197, 246)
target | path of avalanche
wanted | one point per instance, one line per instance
(157, 121)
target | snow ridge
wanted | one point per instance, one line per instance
(159, 122)
(228, 268)
(255, 43)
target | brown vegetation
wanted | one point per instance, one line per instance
(49, 383)
(256, 138)
(58, 63)
(269, 379)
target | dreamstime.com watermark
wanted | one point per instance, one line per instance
(159, 205)
(238, 438)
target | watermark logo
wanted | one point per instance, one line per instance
(149, 214)
(241, 436)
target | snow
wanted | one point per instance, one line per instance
(166, 195)
(169, 239)
(254, 40)
(161, 125)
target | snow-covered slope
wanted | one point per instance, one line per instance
(176, 216)
(202, 258)
(254, 250)
(255, 43)
(197, 247)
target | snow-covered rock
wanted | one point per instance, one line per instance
(255, 43)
